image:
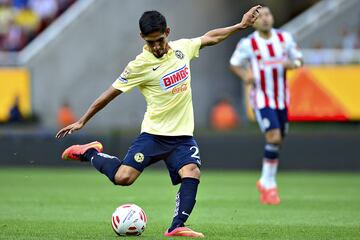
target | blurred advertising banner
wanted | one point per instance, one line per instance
(324, 93)
(14, 93)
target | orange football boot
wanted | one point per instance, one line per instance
(268, 196)
(183, 232)
(75, 152)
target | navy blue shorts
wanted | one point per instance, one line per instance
(176, 151)
(269, 119)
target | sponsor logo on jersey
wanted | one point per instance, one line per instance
(179, 89)
(122, 80)
(154, 69)
(174, 78)
(274, 61)
(124, 75)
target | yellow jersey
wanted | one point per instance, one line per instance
(166, 85)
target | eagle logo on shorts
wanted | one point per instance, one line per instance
(179, 54)
(266, 123)
(139, 157)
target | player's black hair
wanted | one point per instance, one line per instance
(152, 21)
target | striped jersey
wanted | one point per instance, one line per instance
(266, 58)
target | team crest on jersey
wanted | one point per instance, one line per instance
(179, 54)
(174, 78)
(139, 157)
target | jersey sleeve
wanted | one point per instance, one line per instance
(131, 77)
(193, 47)
(242, 54)
(293, 50)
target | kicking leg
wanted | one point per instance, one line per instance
(126, 175)
(108, 165)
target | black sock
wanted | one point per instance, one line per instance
(185, 202)
(106, 164)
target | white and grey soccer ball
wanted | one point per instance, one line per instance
(129, 219)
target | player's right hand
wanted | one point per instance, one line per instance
(250, 17)
(69, 129)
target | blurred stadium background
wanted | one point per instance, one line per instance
(57, 56)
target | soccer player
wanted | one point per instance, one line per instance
(162, 74)
(261, 60)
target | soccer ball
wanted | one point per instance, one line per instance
(129, 219)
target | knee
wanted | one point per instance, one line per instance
(196, 172)
(123, 180)
(191, 170)
(126, 175)
(275, 139)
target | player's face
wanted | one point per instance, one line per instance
(265, 20)
(157, 42)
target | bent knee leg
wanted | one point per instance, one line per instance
(190, 171)
(126, 175)
(124, 180)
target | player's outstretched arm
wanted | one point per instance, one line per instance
(218, 35)
(95, 107)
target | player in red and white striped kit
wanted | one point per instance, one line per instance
(261, 60)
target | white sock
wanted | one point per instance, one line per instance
(268, 174)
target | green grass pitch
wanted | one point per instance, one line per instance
(78, 203)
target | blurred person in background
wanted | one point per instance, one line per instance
(162, 74)
(15, 38)
(261, 61)
(46, 9)
(348, 39)
(15, 115)
(224, 116)
(19, 4)
(357, 45)
(65, 115)
(22, 20)
(348, 45)
(6, 16)
(28, 21)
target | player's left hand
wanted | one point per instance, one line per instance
(250, 17)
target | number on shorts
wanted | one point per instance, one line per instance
(195, 154)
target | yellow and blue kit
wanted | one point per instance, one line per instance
(168, 125)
